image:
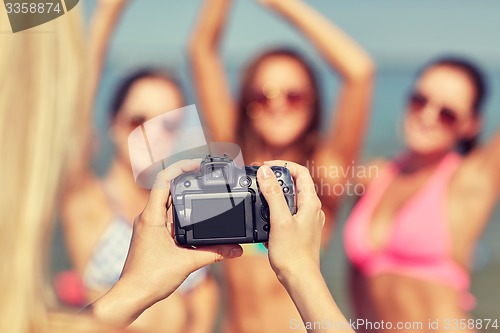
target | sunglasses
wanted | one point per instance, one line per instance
(136, 121)
(417, 102)
(292, 97)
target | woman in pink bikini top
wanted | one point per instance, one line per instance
(410, 238)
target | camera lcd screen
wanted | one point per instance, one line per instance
(225, 221)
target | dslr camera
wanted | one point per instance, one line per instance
(221, 203)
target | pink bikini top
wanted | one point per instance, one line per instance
(419, 244)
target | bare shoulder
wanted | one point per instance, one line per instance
(84, 201)
(370, 171)
(84, 215)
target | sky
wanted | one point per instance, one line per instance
(397, 33)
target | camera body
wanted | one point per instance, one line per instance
(221, 203)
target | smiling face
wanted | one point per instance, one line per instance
(280, 101)
(440, 111)
(147, 98)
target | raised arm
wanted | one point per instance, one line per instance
(214, 96)
(102, 26)
(474, 190)
(356, 69)
(104, 20)
(490, 155)
(483, 166)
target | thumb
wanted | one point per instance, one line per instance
(273, 194)
(207, 255)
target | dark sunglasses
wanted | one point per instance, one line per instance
(136, 121)
(139, 120)
(292, 97)
(417, 102)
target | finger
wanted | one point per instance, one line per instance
(307, 198)
(206, 255)
(160, 191)
(271, 190)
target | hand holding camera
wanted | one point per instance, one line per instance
(222, 203)
(155, 265)
(295, 240)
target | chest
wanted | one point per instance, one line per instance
(411, 208)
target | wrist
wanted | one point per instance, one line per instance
(294, 275)
(122, 304)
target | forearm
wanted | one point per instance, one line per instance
(208, 71)
(121, 305)
(314, 302)
(495, 164)
(211, 23)
(488, 157)
(102, 27)
(339, 50)
(103, 22)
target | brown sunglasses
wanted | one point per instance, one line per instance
(418, 101)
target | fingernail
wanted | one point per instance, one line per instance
(265, 171)
(235, 252)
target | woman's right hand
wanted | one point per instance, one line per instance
(294, 241)
(294, 246)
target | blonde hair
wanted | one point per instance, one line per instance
(43, 97)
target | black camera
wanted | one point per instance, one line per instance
(221, 203)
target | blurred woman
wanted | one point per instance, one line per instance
(42, 96)
(411, 237)
(278, 115)
(98, 214)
